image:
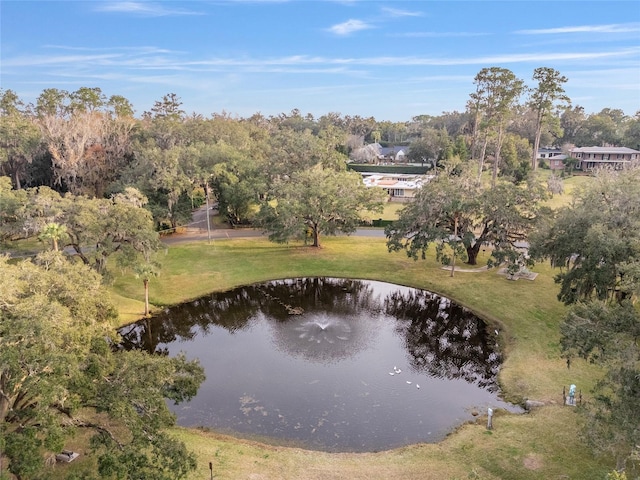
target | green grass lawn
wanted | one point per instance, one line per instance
(543, 444)
(22, 247)
(389, 212)
(570, 185)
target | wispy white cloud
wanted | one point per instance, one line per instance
(612, 28)
(257, 1)
(395, 61)
(157, 59)
(349, 27)
(387, 13)
(45, 60)
(145, 9)
(396, 12)
(439, 34)
(141, 50)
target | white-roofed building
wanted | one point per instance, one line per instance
(400, 187)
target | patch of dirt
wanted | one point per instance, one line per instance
(533, 461)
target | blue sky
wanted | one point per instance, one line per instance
(391, 60)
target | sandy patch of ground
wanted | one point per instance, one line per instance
(533, 461)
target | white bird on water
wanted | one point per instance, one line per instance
(408, 382)
(417, 386)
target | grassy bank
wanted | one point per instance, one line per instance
(543, 444)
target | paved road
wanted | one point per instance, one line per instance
(197, 231)
(197, 234)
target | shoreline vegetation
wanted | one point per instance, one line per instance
(544, 443)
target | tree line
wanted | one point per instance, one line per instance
(84, 143)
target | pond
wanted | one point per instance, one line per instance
(330, 364)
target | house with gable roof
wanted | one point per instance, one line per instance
(394, 154)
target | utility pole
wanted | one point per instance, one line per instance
(206, 196)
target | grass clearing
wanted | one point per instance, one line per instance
(389, 212)
(543, 444)
(570, 185)
(25, 247)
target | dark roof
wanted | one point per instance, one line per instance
(390, 150)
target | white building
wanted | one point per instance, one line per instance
(400, 187)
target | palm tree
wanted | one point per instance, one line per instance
(54, 232)
(146, 271)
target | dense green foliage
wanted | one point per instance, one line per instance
(60, 374)
(596, 241)
(318, 201)
(459, 215)
(91, 229)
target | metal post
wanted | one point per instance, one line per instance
(455, 239)
(489, 418)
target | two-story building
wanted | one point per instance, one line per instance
(615, 158)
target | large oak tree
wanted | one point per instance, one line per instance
(595, 240)
(458, 212)
(95, 229)
(59, 375)
(317, 201)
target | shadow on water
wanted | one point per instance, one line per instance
(331, 364)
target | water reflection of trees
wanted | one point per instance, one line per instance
(445, 340)
(333, 321)
(330, 295)
(234, 310)
(231, 310)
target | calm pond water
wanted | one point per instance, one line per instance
(330, 364)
